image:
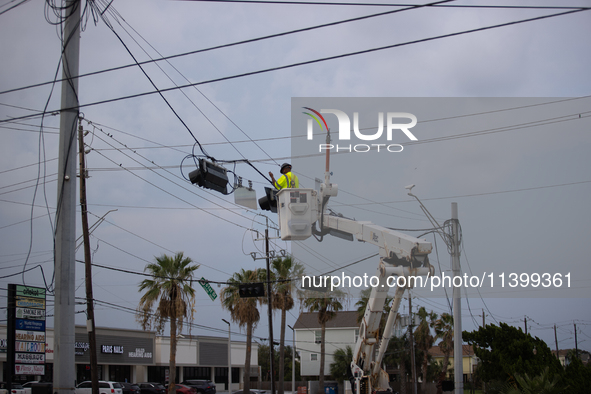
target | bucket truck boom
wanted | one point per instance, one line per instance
(401, 255)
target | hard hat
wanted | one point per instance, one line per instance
(284, 165)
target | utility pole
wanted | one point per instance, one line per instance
(525, 323)
(483, 322)
(270, 309)
(457, 304)
(576, 342)
(229, 357)
(412, 345)
(90, 324)
(556, 341)
(65, 231)
(293, 352)
(267, 257)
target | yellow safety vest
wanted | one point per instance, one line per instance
(288, 180)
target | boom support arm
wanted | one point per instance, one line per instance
(401, 255)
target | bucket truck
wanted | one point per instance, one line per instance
(302, 213)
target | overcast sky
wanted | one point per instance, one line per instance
(522, 193)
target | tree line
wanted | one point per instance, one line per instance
(510, 362)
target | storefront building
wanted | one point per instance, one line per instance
(141, 356)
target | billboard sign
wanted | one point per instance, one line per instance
(26, 330)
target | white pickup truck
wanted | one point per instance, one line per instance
(16, 388)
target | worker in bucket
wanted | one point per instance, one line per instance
(287, 180)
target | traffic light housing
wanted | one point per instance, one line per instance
(269, 202)
(251, 290)
(210, 176)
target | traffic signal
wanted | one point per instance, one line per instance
(210, 176)
(251, 290)
(269, 202)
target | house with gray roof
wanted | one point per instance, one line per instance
(341, 331)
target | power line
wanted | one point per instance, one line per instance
(12, 7)
(202, 94)
(153, 243)
(230, 45)
(303, 63)
(432, 5)
(174, 175)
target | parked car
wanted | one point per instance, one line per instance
(15, 389)
(202, 386)
(104, 387)
(182, 389)
(151, 388)
(253, 391)
(130, 388)
(29, 386)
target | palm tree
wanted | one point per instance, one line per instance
(340, 367)
(171, 293)
(243, 310)
(362, 306)
(444, 330)
(327, 308)
(285, 272)
(424, 339)
(541, 384)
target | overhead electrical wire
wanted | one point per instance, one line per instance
(201, 93)
(230, 45)
(181, 199)
(13, 6)
(437, 198)
(168, 179)
(108, 24)
(432, 5)
(213, 159)
(308, 62)
(152, 243)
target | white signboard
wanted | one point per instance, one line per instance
(30, 313)
(23, 369)
(33, 347)
(29, 358)
(28, 302)
(30, 336)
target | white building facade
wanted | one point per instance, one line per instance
(341, 331)
(141, 356)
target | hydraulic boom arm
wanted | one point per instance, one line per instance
(403, 259)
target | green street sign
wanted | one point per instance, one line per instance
(28, 291)
(208, 289)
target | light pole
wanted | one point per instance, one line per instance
(293, 389)
(229, 357)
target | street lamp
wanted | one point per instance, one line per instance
(229, 357)
(293, 389)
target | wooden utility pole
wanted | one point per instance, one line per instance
(556, 341)
(270, 310)
(576, 342)
(412, 345)
(457, 304)
(90, 326)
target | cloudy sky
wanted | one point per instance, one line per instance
(522, 193)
